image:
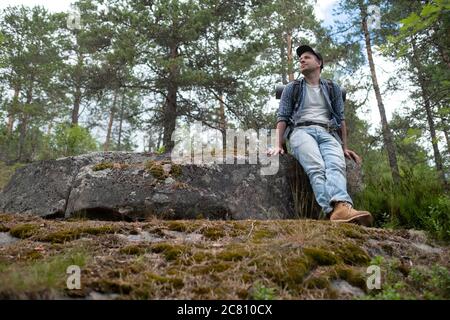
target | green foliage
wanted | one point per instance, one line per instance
(41, 276)
(417, 202)
(421, 282)
(261, 292)
(437, 218)
(161, 150)
(429, 14)
(72, 140)
(433, 282)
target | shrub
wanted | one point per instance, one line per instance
(418, 202)
(72, 140)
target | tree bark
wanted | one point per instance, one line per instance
(290, 61)
(283, 70)
(13, 110)
(158, 143)
(170, 110)
(110, 122)
(221, 116)
(24, 122)
(119, 140)
(387, 134)
(77, 93)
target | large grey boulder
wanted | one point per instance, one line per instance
(133, 186)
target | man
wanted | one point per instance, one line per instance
(314, 141)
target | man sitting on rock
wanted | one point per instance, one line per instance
(314, 141)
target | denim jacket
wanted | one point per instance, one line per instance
(292, 115)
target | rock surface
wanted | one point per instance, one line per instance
(134, 186)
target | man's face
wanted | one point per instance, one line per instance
(309, 63)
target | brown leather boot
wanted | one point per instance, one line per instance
(344, 212)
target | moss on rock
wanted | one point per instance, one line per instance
(213, 233)
(234, 253)
(176, 283)
(353, 255)
(321, 256)
(132, 250)
(317, 283)
(170, 251)
(352, 276)
(177, 226)
(24, 231)
(156, 169)
(213, 267)
(262, 234)
(102, 166)
(291, 273)
(64, 235)
(176, 170)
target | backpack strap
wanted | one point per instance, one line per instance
(295, 94)
(289, 125)
(330, 87)
(330, 91)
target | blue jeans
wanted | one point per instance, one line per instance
(322, 158)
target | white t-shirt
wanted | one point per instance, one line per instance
(314, 108)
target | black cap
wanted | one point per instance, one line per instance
(302, 49)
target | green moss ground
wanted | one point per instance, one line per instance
(202, 259)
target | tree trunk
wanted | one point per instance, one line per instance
(387, 134)
(221, 116)
(158, 144)
(170, 110)
(428, 110)
(24, 122)
(290, 62)
(10, 125)
(283, 70)
(76, 106)
(77, 93)
(13, 109)
(119, 140)
(50, 127)
(110, 122)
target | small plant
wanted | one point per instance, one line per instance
(437, 221)
(377, 261)
(261, 292)
(161, 150)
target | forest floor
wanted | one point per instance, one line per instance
(204, 259)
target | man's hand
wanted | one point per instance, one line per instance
(352, 155)
(275, 151)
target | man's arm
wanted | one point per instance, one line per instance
(347, 152)
(285, 110)
(281, 127)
